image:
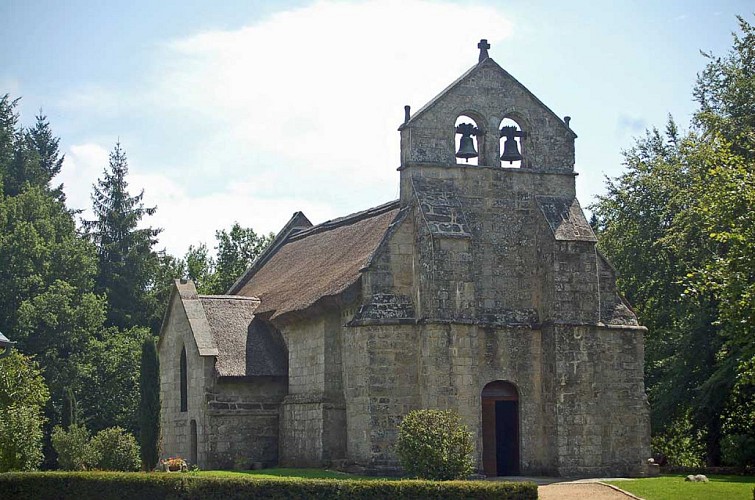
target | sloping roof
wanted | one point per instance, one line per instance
(297, 222)
(319, 262)
(565, 219)
(485, 62)
(195, 315)
(245, 347)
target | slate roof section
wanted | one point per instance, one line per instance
(441, 208)
(565, 219)
(322, 261)
(246, 346)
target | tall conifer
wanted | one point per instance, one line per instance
(127, 260)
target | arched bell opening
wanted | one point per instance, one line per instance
(467, 141)
(500, 429)
(511, 147)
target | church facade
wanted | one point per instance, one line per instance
(480, 290)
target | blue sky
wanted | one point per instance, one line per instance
(248, 110)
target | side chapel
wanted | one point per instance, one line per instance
(480, 289)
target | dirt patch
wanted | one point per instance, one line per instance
(580, 491)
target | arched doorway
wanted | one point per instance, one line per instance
(193, 443)
(500, 429)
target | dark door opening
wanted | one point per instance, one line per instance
(193, 443)
(500, 429)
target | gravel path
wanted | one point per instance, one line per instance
(580, 491)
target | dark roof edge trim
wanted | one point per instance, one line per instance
(346, 220)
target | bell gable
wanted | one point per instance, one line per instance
(492, 99)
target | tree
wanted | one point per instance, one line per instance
(200, 268)
(149, 405)
(168, 269)
(680, 229)
(68, 416)
(237, 249)
(112, 367)
(127, 261)
(23, 395)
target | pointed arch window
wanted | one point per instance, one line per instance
(184, 382)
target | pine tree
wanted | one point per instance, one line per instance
(126, 256)
(149, 405)
(41, 140)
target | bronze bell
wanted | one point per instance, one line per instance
(466, 148)
(510, 147)
(466, 144)
(510, 151)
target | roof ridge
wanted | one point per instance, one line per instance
(236, 297)
(346, 220)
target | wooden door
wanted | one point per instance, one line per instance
(500, 429)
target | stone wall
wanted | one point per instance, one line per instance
(488, 94)
(602, 415)
(176, 425)
(380, 367)
(313, 415)
(236, 420)
(242, 424)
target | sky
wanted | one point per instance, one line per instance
(247, 111)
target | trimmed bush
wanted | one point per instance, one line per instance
(72, 447)
(157, 485)
(114, 449)
(434, 444)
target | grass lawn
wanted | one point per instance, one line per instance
(284, 473)
(675, 488)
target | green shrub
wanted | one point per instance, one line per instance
(157, 485)
(72, 447)
(681, 444)
(434, 444)
(114, 449)
(23, 395)
(738, 450)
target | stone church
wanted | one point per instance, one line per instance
(480, 289)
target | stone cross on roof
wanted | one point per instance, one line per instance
(483, 46)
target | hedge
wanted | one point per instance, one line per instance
(177, 486)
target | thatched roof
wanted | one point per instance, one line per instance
(246, 347)
(322, 261)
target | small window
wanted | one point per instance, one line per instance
(184, 382)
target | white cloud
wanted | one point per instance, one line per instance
(323, 87)
(83, 164)
(297, 112)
